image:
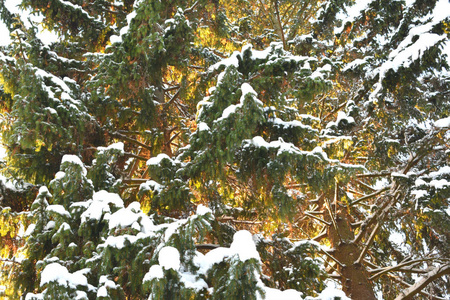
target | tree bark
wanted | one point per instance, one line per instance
(355, 277)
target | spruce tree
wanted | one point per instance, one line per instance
(226, 150)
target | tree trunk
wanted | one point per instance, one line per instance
(355, 282)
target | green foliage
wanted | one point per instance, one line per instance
(227, 122)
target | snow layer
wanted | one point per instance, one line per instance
(202, 210)
(156, 160)
(100, 204)
(155, 271)
(116, 146)
(60, 274)
(169, 258)
(242, 247)
(443, 123)
(73, 159)
(408, 51)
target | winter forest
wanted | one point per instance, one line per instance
(225, 149)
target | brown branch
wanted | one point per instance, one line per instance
(190, 9)
(382, 174)
(368, 196)
(279, 25)
(6, 260)
(131, 140)
(398, 267)
(134, 180)
(436, 273)
(129, 154)
(330, 256)
(206, 246)
(172, 98)
(368, 244)
(431, 297)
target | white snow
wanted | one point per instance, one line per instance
(105, 284)
(31, 296)
(29, 230)
(408, 51)
(244, 246)
(47, 37)
(117, 146)
(203, 210)
(49, 226)
(60, 274)
(59, 209)
(442, 123)
(155, 272)
(246, 89)
(341, 116)
(331, 293)
(124, 30)
(73, 159)
(156, 160)
(100, 204)
(439, 184)
(352, 12)
(442, 171)
(275, 294)
(151, 185)
(192, 281)
(202, 126)
(43, 190)
(169, 258)
(287, 124)
(131, 217)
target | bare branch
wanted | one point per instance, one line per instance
(398, 267)
(318, 219)
(334, 259)
(131, 140)
(368, 196)
(368, 244)
(436, 273)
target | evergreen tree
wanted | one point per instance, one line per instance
(226, 150)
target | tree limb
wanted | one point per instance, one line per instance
(437, 272)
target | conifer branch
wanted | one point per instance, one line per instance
(368, 243)
(131, 140)
(407, 285)
(436, 273)
(368, 196)
(172, 98)
(6, 260)
(333, 258)
(318, 219)
(399, 267)
(382, 174)
(129, 154)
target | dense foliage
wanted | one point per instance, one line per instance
(271, 149)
